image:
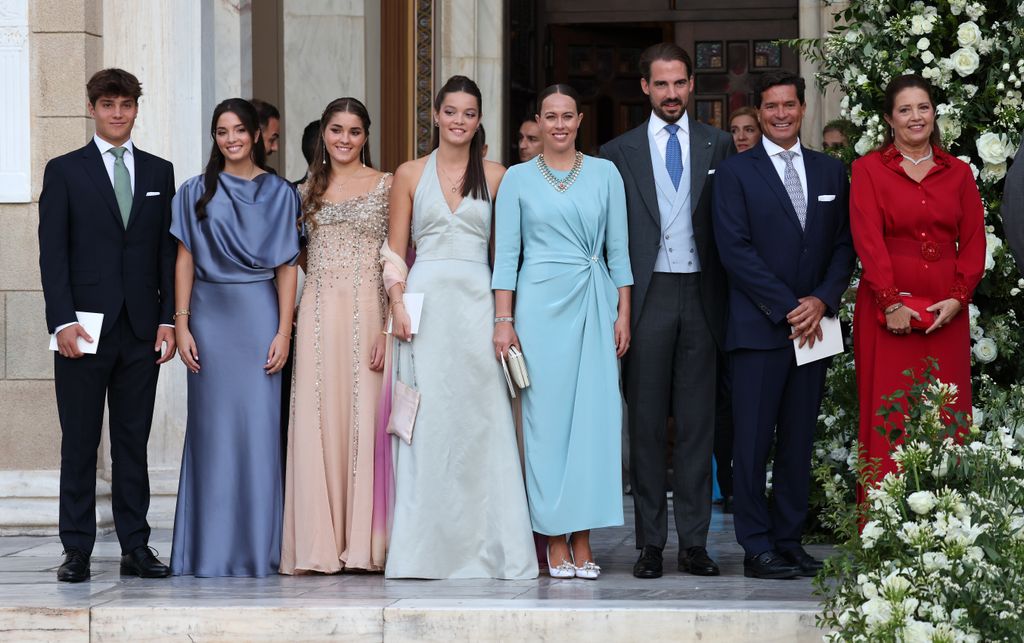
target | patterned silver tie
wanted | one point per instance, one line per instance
(796, 191)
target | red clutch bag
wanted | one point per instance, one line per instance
(918, 304)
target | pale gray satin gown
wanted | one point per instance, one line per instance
(228, 516)
(460, 502)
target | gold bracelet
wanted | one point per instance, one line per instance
(182, 313)
(283, 335)
(397, 302)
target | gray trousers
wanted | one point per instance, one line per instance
(670, 370)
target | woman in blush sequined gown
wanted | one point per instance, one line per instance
(339, 355)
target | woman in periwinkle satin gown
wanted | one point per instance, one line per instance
(236, 231)
(460, 505)
(339, 354)
(566, 213)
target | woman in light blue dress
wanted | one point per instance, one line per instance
(236, 231)
(565, 214)
(460, 504)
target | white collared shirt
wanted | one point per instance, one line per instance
(108, 158)
(656, 130)
(773, 151)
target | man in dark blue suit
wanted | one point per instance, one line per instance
(781, 220)
(105, 247)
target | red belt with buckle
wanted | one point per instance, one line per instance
(927, 250)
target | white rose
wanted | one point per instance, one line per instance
(965, 61)
(968, 34)
(977, 332)
(921, 502)
(931, 73)
(975, 10)
(993, 148)
(918, 25)
(863, 145)
(993, 172)
(949, 128)
(870, 534)
(973, 312)
(927, 56)
(970, 90)
(923, 44)
(985, 350)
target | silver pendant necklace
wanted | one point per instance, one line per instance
(916, 162)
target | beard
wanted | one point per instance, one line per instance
(669, 118)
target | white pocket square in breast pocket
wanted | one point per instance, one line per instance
(710, 172)
(152, 194)
(826, 197)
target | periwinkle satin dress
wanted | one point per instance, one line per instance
(228, 517)
(575, 257)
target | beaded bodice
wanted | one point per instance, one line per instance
(348, 235)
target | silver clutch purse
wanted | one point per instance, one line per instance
(517, 367)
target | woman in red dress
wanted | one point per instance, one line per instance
(918, 226)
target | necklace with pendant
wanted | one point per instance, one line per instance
(455, 184)
(570, 178)
(916, 162)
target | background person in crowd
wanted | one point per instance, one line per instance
(236, 231)
(104, 248)
(310, 141)
(566, 214)
(833, 136)
(270, 124)
(782, 228)
(469, 517)
(339, 356)
(918, 226)
(529, 142)
(744, 128)
(1013, 208)
(678, 311)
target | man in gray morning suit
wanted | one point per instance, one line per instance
(678, 311)
(1013, 207)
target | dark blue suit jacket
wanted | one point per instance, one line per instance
(89, 260)
(769, 260)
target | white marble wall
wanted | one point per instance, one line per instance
(817, 18)
(325, 57)
(469, 39)
(15, 151)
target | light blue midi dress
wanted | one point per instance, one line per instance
(575, 256)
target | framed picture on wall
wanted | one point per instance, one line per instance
(710, 110)
(710, 55)
(767, 54)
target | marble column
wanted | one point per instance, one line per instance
(810, 27)
(469, 40)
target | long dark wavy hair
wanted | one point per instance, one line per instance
(320, 169)
(895, 86)
(475, 182)
(246, 113)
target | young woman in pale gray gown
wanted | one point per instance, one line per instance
(460, 504)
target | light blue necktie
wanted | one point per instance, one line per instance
(673, 155)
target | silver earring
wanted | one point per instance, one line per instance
(325, 154)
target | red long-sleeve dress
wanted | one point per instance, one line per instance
(926, 239)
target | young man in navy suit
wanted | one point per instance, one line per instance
(781, 221)
(105, 247)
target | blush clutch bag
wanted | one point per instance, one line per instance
(918, 305)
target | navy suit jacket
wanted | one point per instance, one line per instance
(770, 261)
(89, 260)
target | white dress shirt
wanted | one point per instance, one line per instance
(108, 162)
(780, 165)
(656, 130)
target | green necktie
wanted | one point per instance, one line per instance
(122, 184)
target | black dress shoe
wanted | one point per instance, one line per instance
(769, 564)
(142, 563)
(809, 565)
(727, 505)
(75, 567)
(649, 563)
(695, 560)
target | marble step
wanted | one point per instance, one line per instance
(314, 619)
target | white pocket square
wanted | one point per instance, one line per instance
(710, 172)
(827, 197)
(152, 194)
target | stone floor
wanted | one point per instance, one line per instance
(33, 606)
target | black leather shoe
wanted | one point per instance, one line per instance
(75, 567)
(142, 563)
(771, 565)
(649, 563)
(809, 565)
(727, 505)
(695, 560)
